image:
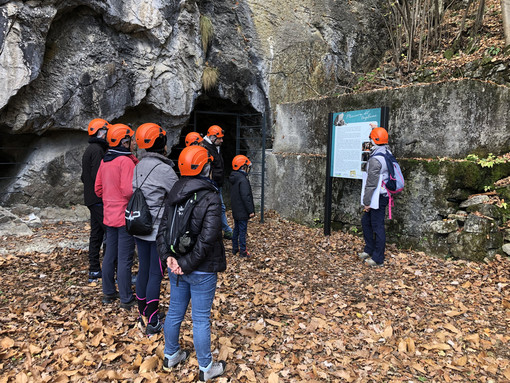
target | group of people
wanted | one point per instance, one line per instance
(110, 174)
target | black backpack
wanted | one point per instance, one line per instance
(138, 215)
(175, 239)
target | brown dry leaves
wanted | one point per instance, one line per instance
(302, 309)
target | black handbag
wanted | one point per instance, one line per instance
(138, 215)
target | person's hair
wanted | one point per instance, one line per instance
(125, 140)
(206, 170)
(158, 146)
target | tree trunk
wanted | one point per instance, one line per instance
(505, 10)
(479, 19)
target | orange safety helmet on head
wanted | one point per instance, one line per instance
(192, 160)
(215, 130)
(116, 133)
(379, 136)
(96, 124)
(239, 161)
(147, 134)
(193, 138)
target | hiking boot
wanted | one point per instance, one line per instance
(370, 262)
(94, 276)
(154, 329)
(228, 235)
(128, 305)
(364, 255)
(107, 299)
(244, 254)
(216, 369)
(235, 251)
(181, 356)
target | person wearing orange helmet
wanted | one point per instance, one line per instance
(241, 198)
(154, 175)
(114, 186)
(212, 142)
(193, 138)
(90, 162)
(375, 199)
(193, 276)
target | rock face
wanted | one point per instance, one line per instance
(63, 63)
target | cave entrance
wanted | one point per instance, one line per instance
(245, 133)
(15, 149)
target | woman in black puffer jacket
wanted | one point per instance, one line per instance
(193, 276)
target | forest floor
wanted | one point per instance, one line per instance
(303, 308)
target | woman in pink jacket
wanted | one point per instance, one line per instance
(114, 186)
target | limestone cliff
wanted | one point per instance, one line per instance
(63, 63)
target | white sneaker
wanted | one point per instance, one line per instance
(370, 262)
(364, 255)
(181, 356)
(216, 369)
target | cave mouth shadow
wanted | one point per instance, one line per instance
(243, 127)
(14, 151)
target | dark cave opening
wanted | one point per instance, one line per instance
(14, 151)
(228, 116)
(244, 132)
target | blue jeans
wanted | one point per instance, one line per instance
(148, 281)
(200, 288)
(224, 223)
(120, 247)
(374, 233)
(239, 236)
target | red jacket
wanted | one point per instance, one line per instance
(114, 185)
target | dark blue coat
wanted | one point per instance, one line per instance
(241, 196)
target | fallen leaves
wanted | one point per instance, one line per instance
(303, 308)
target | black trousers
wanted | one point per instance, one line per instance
(97, 232)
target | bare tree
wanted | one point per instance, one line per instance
(415, 26)
(505, 10)
(479, 18)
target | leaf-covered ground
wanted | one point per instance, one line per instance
(302, 309)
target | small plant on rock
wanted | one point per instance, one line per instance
(210, 77)
(206, 32)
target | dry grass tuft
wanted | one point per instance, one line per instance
(206, 31)
(210, 77)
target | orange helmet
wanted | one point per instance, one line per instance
(215, 130)
(96, 124)
(192, 160)
(146, 135)
(193, 138)
(116, 133)
(240, 161)
(379, 136)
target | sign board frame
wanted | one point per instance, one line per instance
(347, 134)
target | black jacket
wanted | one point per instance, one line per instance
(89, 165)
(241, 196)
(209, 253)
(218, 167)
